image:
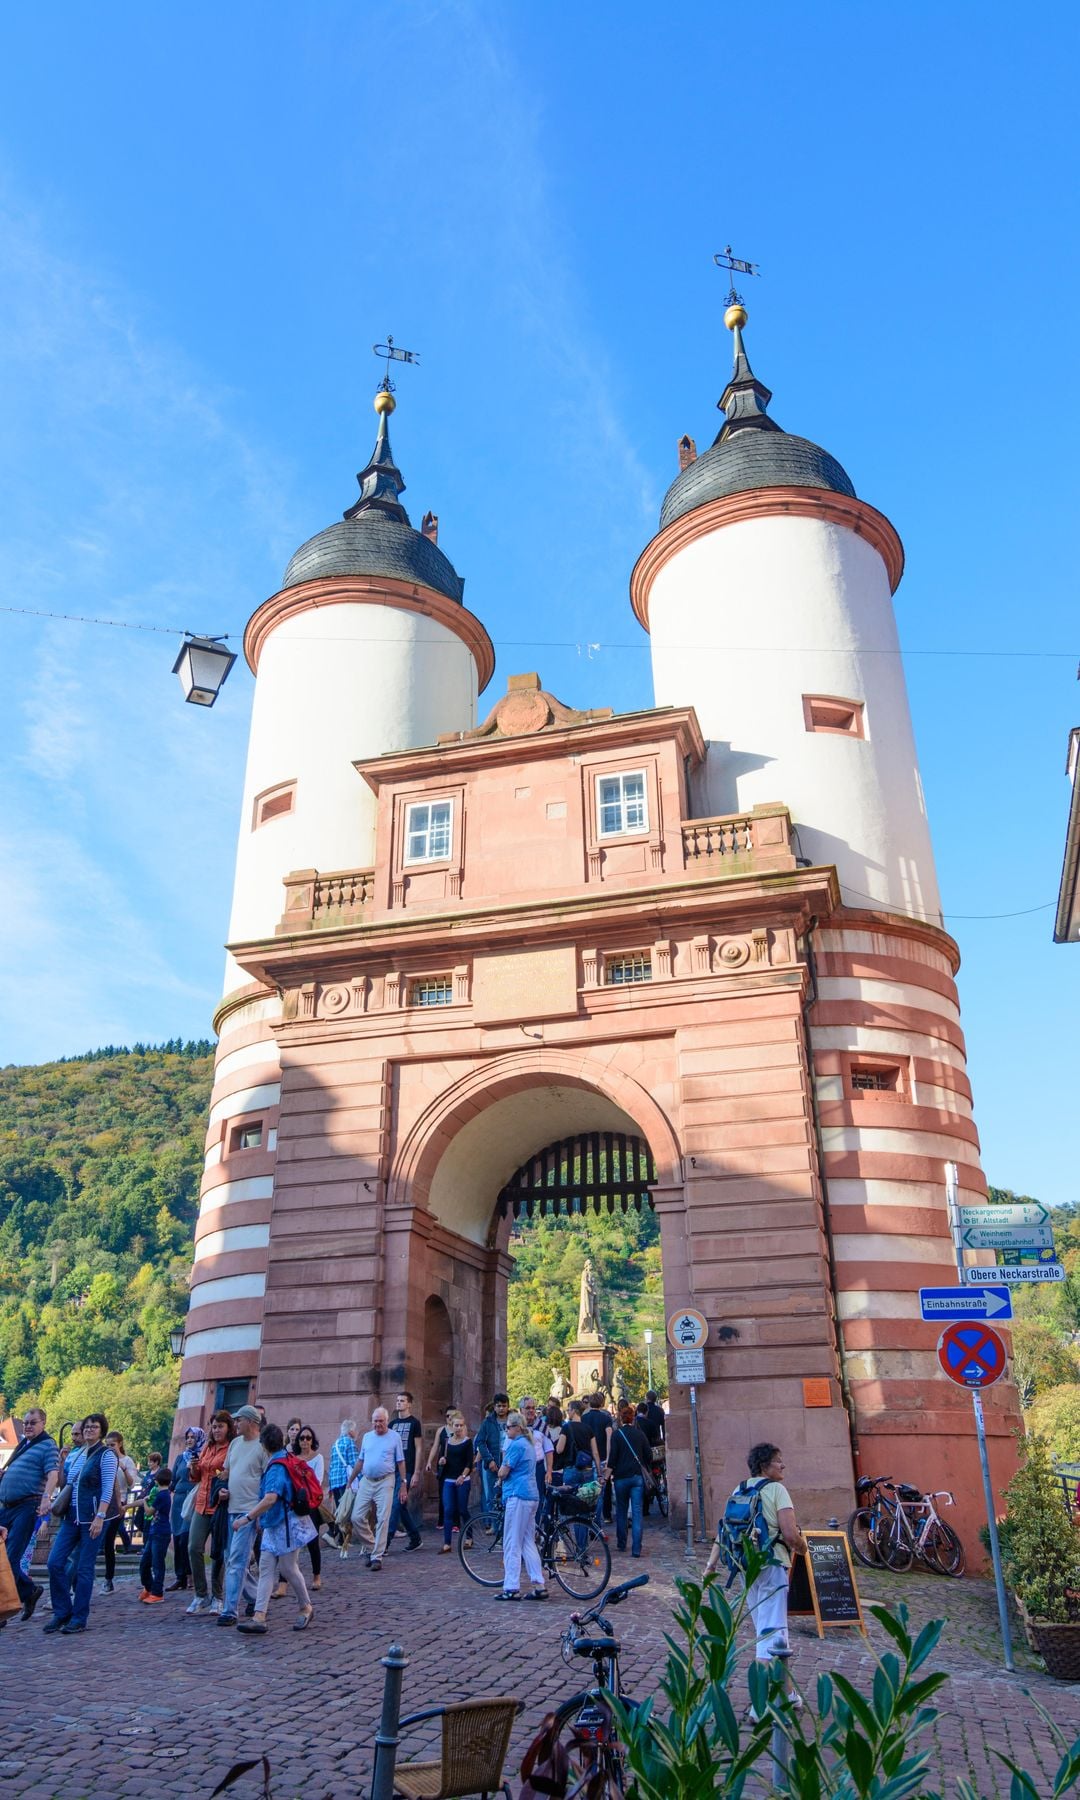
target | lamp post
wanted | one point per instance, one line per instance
(648, 1352)
(176, 1341)
(202, 666)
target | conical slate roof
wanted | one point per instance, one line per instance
(751, 450)
(375, 537)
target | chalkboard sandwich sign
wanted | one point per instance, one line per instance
(823, 1583)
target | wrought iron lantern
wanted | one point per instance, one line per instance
(176, 1341)
(202, 665)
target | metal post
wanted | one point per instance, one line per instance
(689, 1514)
(991, 1519)
(395, 1663)
(697, 1462)
(780, 1755)
(648, 1353)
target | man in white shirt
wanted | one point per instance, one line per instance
(381, 1468)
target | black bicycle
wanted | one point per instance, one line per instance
(569, 1544)
(586, 1724)
(659, 1475)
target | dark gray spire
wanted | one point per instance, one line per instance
(381, 481)
(745, 400)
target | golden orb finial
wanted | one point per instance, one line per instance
(384, 401)
(735, 316)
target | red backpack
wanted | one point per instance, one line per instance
(306, 1486)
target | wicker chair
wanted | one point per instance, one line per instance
(475, 1739)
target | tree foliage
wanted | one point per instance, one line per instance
(1040, 1545)
(100, 1162)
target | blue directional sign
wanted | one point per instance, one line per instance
(965, 1303)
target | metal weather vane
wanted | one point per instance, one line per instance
(390, 353)
(735, 266)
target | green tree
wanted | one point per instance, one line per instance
(1040, 1360)
(1056, 1417)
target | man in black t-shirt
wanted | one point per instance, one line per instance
(598, 1422)
(655, 1419)
(410, 1431)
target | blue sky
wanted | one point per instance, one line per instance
(209, 214)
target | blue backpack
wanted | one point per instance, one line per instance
(744, 1523)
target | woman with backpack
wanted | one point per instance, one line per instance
(760, 1515)
(307, 1447)
(89, 1479)
(284, 1534)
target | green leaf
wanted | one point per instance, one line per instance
(925, 1642)
(895, 1624)
(860, 1760)
(854, 1700)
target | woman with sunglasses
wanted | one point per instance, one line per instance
(308, 1447)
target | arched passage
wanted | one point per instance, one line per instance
(439, 1360)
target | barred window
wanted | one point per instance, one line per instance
(620, 971)
(621, 806)
(881, 1080)
(431, 990)
(427, 831)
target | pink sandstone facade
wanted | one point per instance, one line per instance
(412, 1032)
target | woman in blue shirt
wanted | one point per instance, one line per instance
(91, 1473)
(520, 1497)
(284, 1534)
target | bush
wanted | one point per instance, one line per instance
(1041, 1546)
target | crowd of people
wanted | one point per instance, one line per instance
(245, 1499)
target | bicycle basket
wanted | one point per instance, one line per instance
(578, 1502)
(906, 1492)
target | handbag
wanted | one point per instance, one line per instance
(647, 1475)
(327, 1510)
(61, 1502)
(10, 1604)
(187, 1510)
(344, 1513)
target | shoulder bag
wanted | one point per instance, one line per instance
(647, 1475)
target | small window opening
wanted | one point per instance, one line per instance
(621, 971)
(247, 1137)
(825, 712)
(427, 831)
(231, 1395)
(431, 990)
(274, 804)
(621, 803)
(882, 1080)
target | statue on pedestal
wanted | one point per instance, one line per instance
(589, 1307)
(560, 1387)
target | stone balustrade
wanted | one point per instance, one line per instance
(739, 843)
(317, 902)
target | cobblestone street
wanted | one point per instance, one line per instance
(153, 1702)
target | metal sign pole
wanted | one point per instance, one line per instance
(952, 1195)
(697, 1463)
(991, 1519)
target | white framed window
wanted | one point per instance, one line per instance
(621, 805)
(428, 828)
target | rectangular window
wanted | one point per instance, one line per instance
(431, 990)
(230, 1395)
(247, 1137)
(620, 971)
(427, 831)
(826, 712)
(880, 1078)
(274, 803)
(620, 804)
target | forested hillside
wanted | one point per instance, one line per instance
(100, 1159)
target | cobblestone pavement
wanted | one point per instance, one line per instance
(152, 1703)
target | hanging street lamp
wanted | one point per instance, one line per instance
(202, 665)
(176, 1341)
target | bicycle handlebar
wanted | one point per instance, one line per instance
(611, 1598)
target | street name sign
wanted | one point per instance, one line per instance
(1022, 1212)
(971, 1355)
(689, 1367)
(1007, 1237)
(1014, 1272)
(688, 1329)
(965, 1303)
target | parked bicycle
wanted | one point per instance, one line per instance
(583, 1732)
(897, 1524)
(659, 1475)
(571, 1547)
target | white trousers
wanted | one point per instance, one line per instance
(378, 1493)
(519, 1539)
(767, 1603)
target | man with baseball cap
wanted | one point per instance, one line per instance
(243, 1469)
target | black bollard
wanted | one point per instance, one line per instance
(386, 1738)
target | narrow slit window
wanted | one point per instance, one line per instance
(274, 803)
(827, 712)
(428, 826)
(621, 804)
(623, 971)
(431, 990)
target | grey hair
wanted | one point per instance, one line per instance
(349, 1427)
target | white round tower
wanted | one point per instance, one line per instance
(768, 597)
(365, 649)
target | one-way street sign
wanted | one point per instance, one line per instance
(965, 1303)
(1007, 1237)
(1019, 1212)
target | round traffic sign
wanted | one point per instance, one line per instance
(688, 1329)
(971, 1354)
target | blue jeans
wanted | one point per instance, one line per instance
(19, 1520)
(401, 1519)
(236, 1567)
(489, 1486)
(629, 1490)
(152, 1562)
(73, 1543)
(455, 1501)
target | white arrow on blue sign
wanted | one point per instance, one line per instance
(1018, 1212)
(965, 1303)
(1008, 1237)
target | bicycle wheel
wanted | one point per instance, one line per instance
(595, 1766)
(662, 1505)
(943, 1551)
(893, 1547)
(580, 1560)
(861, 1528)
(480, 1548)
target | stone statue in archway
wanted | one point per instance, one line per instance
(560, 1387)
(589, 1306)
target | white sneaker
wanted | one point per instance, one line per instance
(215, 1606)
(198, 1606)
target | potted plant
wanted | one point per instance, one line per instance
(1041, 1553)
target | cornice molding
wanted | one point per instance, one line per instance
(639, 728)
(369, 590)
(922, 931)
(765, 503)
